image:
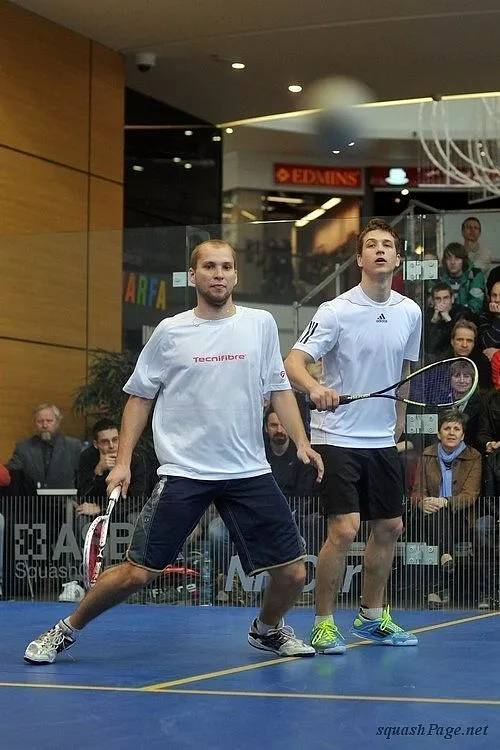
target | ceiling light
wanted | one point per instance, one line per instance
(284, 199)
(310, 217)
(229, 131)
(248, 215)
(216, 138)
(188, 132)
(405, 191)
(188, 165)
(295, 88)
(397, 176)
(351, 143)
(331, 203)
(336, 151)
(177, 159)
(238, 66)
(138, 168)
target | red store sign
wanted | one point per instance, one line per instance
(310, 175)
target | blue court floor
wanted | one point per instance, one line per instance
(185, 677)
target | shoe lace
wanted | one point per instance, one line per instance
(388, 625)
(53, 638)
(284, 632)
(325, 629)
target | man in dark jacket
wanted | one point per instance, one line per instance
(47, 460)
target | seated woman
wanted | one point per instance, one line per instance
(447, 484)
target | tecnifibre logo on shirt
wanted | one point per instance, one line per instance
(220, 358)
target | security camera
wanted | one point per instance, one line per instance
(145, 61)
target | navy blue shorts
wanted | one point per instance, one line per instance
(255, 511)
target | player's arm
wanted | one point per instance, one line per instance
(298, 375)
(285, 405)
(134, 420)
(404, 391)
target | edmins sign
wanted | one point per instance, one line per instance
(310, 175)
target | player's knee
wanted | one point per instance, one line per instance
(291, 576)
(341, 533)
(135, 577)
(389, 529)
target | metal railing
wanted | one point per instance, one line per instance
(42, 539)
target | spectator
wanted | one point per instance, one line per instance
(488, 434)
(48, 459)
(95, 464)
(448, 483)
(479, 255)
(489, 325)
(439, 320)
(467, 282)
(464, 343)
(292, 476)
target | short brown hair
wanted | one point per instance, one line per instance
(373, 225)
(452, 415)
(463, 323)
(218, 244)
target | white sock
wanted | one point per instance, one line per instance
(322, 618)
(66, 624)
(373, 613)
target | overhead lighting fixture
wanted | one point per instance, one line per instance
(310, 217)
(331, 203)
(138, 168)
(229, 131)
(177, 159)
(248, 215)
(397, 177)
(238, 66)
(216, 138)
(295, 88)
(336, 151)
(284, 199)
(352, 143)
(405, 191)
(188, 132)
(188, 165)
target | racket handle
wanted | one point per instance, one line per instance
(342, 400)
(115, 495)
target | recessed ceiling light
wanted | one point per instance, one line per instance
(336, 151)
(238, 66)
(177, 159)
(188, 132)
(138, 168)
(405, 191)
(229, 131)
(351, 143)
(216, 138)
(188, 165)
(295, 88)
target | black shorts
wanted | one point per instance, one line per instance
(367, 481)
(255, 511)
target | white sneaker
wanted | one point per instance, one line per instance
(280, 640)
(71, 592)
(44, 649)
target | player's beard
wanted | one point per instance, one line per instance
(215, 300)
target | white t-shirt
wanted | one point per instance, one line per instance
(363, 345)
(210, 377)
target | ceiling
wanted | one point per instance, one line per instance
(400, 50)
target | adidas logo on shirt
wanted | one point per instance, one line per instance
(381, 318)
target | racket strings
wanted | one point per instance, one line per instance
(443, 384)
